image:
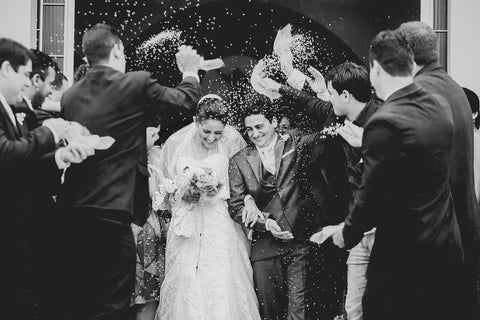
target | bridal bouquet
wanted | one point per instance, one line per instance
(192, 180)
(199, 180)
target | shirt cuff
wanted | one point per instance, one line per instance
(55, 135)
(247, 197)
(190, 74)
(60, 163)
(296, 79)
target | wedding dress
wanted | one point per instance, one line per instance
(208, 275)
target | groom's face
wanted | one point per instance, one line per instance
(259, 129)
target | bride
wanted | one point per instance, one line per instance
(208, 273)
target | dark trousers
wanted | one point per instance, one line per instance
(99, 271)
(280, 284)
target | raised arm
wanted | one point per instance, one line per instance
(187, 93)
(315, 107)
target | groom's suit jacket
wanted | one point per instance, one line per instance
(293, 205)
(111, 103)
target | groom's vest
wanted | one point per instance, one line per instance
(267, 189)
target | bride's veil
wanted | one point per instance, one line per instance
(185, 142)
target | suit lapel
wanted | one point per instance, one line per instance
(13, 126)
(253, 159)
(279, 146)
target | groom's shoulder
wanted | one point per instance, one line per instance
(243, 153)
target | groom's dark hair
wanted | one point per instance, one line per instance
(98, 41)
(259, 105)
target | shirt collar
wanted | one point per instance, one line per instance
(28, 102)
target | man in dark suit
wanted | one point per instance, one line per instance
(21, 154)
(266, 178)
(405, 192)
(350, 97)
(105, 194)
(430, 75)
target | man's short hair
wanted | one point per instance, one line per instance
(40, 64)
(259, 105)
(423, 41)
(352, 78)
(98, 41)
(14, 52)
(391, 50)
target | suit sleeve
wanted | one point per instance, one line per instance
(238, 193)
(316, 108)
(35, 144)
(381, 149)
(185, 95)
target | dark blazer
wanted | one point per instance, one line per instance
(435, 80)
(405, 191)
(292, 206)
(335, 174)
(111, 103)
(19, 155)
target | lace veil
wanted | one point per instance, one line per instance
(186, 142)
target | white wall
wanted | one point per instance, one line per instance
(18, 21)
(464, 33)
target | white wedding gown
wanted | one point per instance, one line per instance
(208, 275)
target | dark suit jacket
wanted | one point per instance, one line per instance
(336, 174)
(405, 191)
(435, 80)
(292, 206)
(111, 103)
(19, 155)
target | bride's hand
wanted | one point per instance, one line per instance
(191, 196)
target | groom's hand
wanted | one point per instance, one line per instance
(274, 228)
(251, 214)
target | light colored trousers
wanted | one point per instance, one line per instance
(356, 275)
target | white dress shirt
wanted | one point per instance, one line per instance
(267, 155)
(9, 110)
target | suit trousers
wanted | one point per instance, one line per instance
(100, 265)
(281, 286)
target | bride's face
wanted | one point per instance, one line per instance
(210, 131)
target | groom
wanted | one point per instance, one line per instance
(268, 176)
(104, 195)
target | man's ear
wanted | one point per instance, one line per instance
(36, 80)
(346, 95)
(117, 51)
(5, 68)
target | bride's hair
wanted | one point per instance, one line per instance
(211, 107)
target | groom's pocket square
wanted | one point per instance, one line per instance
(289, 152)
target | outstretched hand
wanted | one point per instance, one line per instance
(277, 231)
(353, 134)
(188, 59)
(318, 82)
